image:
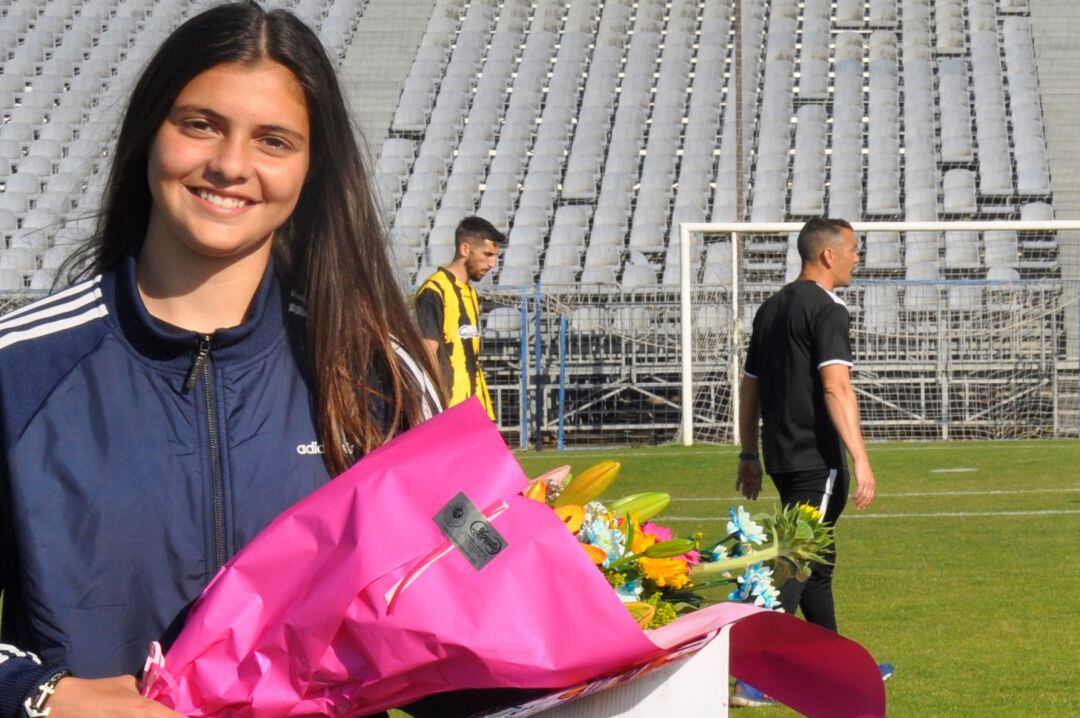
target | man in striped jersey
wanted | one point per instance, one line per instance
(448, 310)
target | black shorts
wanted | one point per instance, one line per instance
(824, 489)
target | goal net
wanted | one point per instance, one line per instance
(960, 330)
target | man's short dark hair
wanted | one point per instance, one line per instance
(472, 229)
(817, 234)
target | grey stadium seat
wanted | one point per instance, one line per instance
(962, 250)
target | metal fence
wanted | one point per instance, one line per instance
(575, 366)
(584, 366)
(587, 365)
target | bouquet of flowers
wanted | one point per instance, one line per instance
(426, 568)
(659, 576)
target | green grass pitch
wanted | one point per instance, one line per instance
(963, 572)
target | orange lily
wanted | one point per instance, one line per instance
(642, 612)
(572, 515)
(537, 491)
(597, 555)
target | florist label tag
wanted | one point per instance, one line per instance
(462, 523)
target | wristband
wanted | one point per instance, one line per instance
(37, 705)
(747, 456)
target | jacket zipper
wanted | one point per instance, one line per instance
(202, 355)
(201, 363)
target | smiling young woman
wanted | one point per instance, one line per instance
(225, 171)
(235, 307)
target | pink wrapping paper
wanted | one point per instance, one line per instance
(352, 601)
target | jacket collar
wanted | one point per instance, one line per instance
(161, 342)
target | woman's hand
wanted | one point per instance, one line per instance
(104, 698)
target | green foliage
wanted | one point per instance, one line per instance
(669, 549)
(644, 505)
(665, 612)
(804, 540)
(615, 578)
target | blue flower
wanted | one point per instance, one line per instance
(599, 533)
(745, 584)
(768, 597)
(718, 554)
(756, 583)
(744, 526)
(630, 591)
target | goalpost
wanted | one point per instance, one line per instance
(961, 329)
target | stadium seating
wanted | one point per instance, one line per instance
(641, 143)
(589, 130)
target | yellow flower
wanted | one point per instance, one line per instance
(808, 512)
(672, 572)
(641, 540)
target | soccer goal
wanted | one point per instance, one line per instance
(959, 329)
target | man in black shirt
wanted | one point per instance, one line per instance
(797, 383)
(797, 380)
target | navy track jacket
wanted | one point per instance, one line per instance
(137, 458)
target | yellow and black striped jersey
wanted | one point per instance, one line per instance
(448, 312)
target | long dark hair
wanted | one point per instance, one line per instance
(332, 250)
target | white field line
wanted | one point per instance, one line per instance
(933, 515)
(617, 451)
(988, 492)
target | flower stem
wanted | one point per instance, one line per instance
(715, 582)
(736, 564)
(627, 560)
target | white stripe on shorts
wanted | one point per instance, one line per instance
(829, 483)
